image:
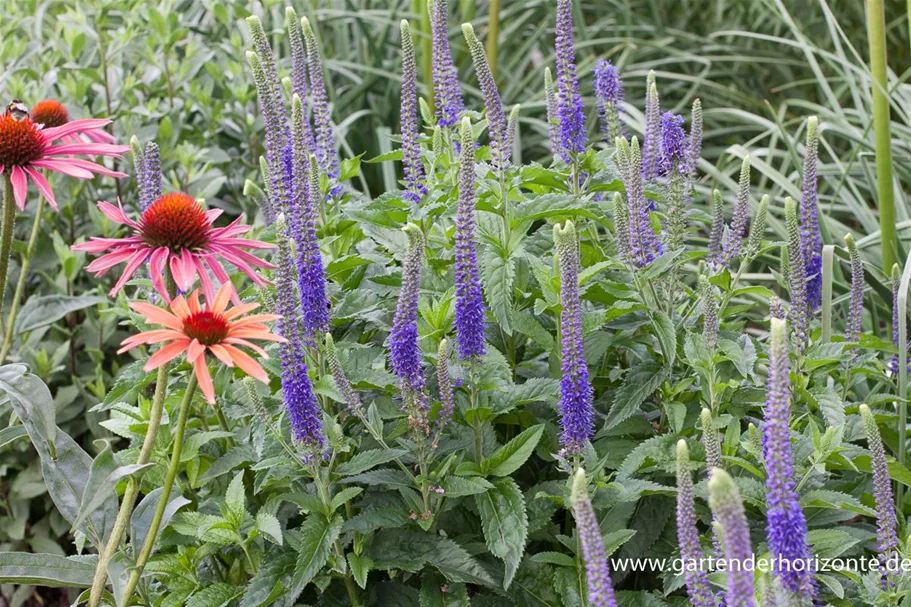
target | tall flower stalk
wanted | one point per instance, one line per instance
(651, 143)
(469, 305)
(896, 282)
(411, 147)
(496, 119)
(730, 518)
(674, 156)
(323, 133)
(797, 277)
(569, 102)
(787, 527)
(300, 82)
(446, 88)
(810, 237)
(553, 120)
(734, 238)
(694, 147)
(597, 573)
(886, 523)
(697, 581)
(352, 400)
(716, 232)
(405, 355)
(576, 397)
(644, 243)
(856, 305)
(609, 96)
(712, 446)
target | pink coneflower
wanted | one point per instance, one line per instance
(26, 147)
(176, 232)
(196, 330)
(51, 113)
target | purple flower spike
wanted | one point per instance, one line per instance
(651, 143)
(717, 231)
(697, 581)
(735, 235)
(496, 119)
(896, 282)
(787, 527)
(576, 399)
(324, 137)
(151, 174)
(553, 121)
(709, 312)
(694, 147)
(621, 228)
(300, 402)
(727, 508)
(800, 311)
(810, 237)
(597, 572)
(411, 147)
(299, 82)
(609, 95)
(856, 307)
(469, 307)
(405, 355)
(446, 86)
(352, 400)
(673, 143)
(712, 447)
(886, 523)
(644, 243)
(569, 101)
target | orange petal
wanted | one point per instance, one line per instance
(247, 364)
(158, 316)
(248, 344)
(180, 308)
(221, 298)
(221, 354)
(248, 333)
(240, 310)
(256, 318)
(205, 380)
(193, 301)
(195, 350)
(166, 354)
(149, 337)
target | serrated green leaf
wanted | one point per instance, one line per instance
(639, 383)
(508, 458)
(365, 460)
(269, 526)
(46, 570)
(505, 524)
(343, 496)
(360, 568)
(317, 535)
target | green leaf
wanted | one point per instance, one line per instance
(410, 550)
(235, 511)
(343, 496)
(365, 460)
(526, 324)
(46, 570)
(498, 273)
(48, 309)
(195, 441)
(505, 524)
(460, 486)
(214, 595)
(317, 535)
(269, 526)
(508, 458)
(8, 435)
(101, 486)
(360, 567)
(141, 519)
(374, 518)
(638, 385)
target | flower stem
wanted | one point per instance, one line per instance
(132, 491)
(20, 284)
(6, 233)
(171, 475)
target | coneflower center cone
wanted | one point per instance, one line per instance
(50, 113)
(206, 327)
(175, 221)
(20, 141)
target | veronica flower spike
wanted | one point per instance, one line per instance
(597, 572)
(197, 330)
(446, 86)
(569, 103)
(411, 147)
(730, 518)
(886, 523)
(697, 581)
(175, 232)
(26, 146)
(577, 415)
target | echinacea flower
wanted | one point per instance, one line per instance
(51, 113)
(175, 232)
(26, 147)
(197, 330)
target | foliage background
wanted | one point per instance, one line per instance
(173, 71)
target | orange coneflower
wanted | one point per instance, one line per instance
(195, 329)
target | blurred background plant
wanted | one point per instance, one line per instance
(173, 71)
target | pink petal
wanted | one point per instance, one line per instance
(73, 127)
(195, 351)
(128, 272)
(99, 136)
(62, 166)
(221, 354)
(156, 315)
(92, 149)
(20, 186)
(157, 269)
(183, 270)
(247, 364)
(166, 354)
(221, 298)
(43, 186)
(94, 167)
(205, 380)
(104, 263)
(116, 214)
(204, 279)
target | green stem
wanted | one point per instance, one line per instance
(882, 131)
(20, 284)
(6, 233)
(171, 475)
(132, 491)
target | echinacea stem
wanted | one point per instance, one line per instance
(20, 284)
(132, 490)
(6, 233)
(171, 475)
